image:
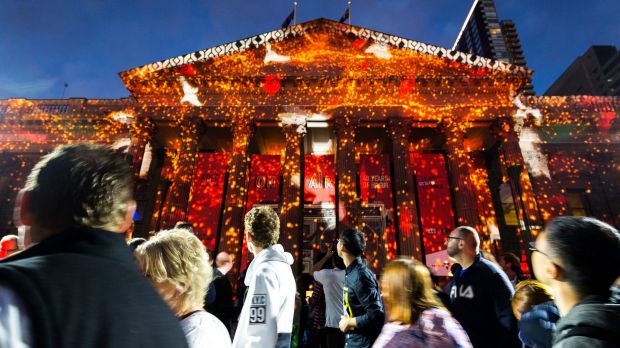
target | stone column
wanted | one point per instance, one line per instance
(291, 212)
(522, 191)
(348, 201)
(549, 197)
(141, 131)
(460, 164)
(407, 227)
(231, 234)
(186, 157)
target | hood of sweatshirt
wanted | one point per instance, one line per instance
(273, 253)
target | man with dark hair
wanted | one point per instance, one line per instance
(480, 293)
(78, 285)
(579, 258)
(184, 225)
(266, 318)
(512, 267)
(222, 305)
(364, 314)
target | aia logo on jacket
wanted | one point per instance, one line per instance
(463, 291)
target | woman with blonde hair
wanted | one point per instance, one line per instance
(532, 305)
(415, 317)
(177, 264)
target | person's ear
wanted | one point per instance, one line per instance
(128, 218)
(554, 271)
(21, 214)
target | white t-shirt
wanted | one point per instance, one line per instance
(332, 281)
(203, 329)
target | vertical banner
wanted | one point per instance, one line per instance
(376, 190)
(436, 215)
(319, 179)
(264, 188)
(205, 201)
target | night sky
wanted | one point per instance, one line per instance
(86, 43)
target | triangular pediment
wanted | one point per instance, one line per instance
(319, 49)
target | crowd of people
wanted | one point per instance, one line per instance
(76, 282)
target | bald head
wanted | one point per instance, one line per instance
(8, 246)
(223, 262)
(470, 236)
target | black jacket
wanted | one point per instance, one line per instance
(481, 302)
(82, 288)
(222, 306)
(594, 323)
(362, 300)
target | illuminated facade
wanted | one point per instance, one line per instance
(335, 125)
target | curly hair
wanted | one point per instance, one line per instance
(80, 185)
(263, 224)
(177, 256)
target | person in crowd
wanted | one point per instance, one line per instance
(266, 318)
(317, 303)
(480, 293)
(77, 285)
(135, 243)
(222, 306)
(511, 265)
(415, 316)
(579, 259)
(177, 264)
(8, 246)
(364, 313)
(304, 289)
(332, 281)
(184, 225)
(532, 305)
(439, 283)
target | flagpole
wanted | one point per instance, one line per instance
(294, 12)
(349, 8)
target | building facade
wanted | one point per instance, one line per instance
(596, 72)
(338, 126)
(484, 34)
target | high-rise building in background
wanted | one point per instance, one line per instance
(483, 34)
(596, 72)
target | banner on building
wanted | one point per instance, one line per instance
(263, 188)
(319, 179)
(435, 206)
(205, 202)
(376, 191)
(264, 184)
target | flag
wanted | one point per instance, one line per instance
(345, 16)
(289, 19)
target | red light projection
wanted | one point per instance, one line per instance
(320, 179)
(376, 187)
(272, 84)
(264, 187)
(436, 215)
(605, 121)
(205, 200)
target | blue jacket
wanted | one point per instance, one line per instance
(362, 300)
(537, 325)
(481, 302)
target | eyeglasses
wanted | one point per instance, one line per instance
(450, 237)
(533, 248)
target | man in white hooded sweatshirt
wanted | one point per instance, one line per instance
(266, 319)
